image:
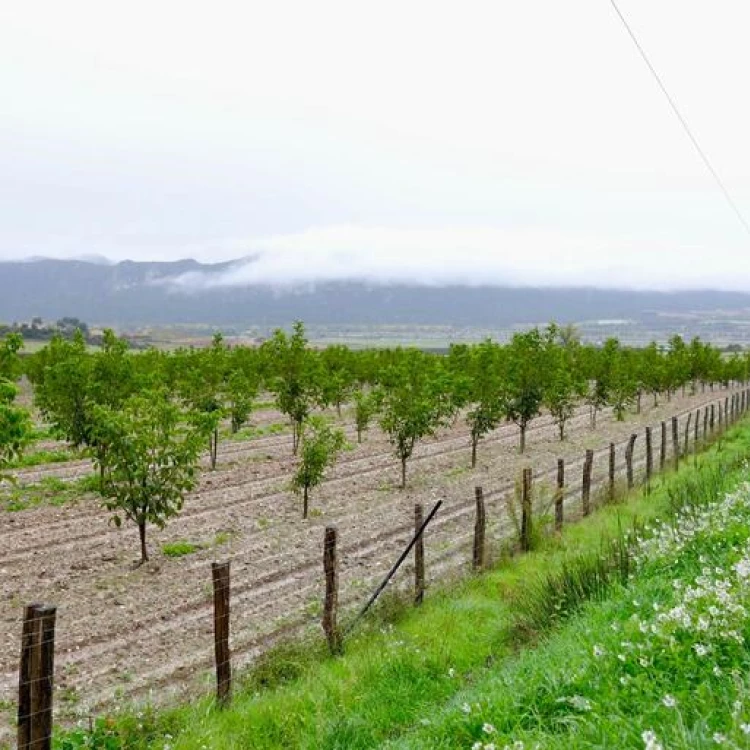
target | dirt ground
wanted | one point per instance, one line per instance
(128, 633)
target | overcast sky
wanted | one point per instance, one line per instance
(472, 141)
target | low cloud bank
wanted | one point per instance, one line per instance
(473, 257)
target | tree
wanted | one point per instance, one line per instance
(335, 376)
(561, 396)
(200, 381)
(293, 381)
(365, 407)
(152, 460)
(240, 394)
(10, 362)
(486, 393)
(15, 426)
(415, 405)
(321, 443)
(524, 375)
(61, 374)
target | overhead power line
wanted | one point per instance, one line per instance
(682, 120)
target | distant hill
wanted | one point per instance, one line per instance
(130, 293)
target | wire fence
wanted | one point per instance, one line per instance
(436, 546)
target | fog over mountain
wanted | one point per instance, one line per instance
(131, 293)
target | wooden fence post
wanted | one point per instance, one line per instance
(705, 423)
(675, 442)
(649, 459)
(526, 520)
(719, 416)
(695, 430)
(612, 471)
(419, 555)
(687, 434)
(560, 496)
(41, 635)
(220, 575)
(629, 460)
(588, 462)
(29, 649)
(478, 560)
(331, 603)
(726, 412)
(663, 447)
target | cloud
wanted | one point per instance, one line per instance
(472, 256)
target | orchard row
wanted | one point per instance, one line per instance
(146, 417)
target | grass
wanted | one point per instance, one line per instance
(47, 491)
(180, 549)
(250, 432)
(40, 458)
(497, 658)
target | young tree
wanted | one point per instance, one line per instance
(61, 374)
(240, 394)
(525, 371)
(321, 443)
(486, 393)
(293, 379)
(152, 459)
(10, 362)
(365, 408)
(15, 426)
(414, 405)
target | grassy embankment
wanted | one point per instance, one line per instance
(592, 640)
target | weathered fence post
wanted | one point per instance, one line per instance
(478, 560)
(675, 442)
(719, 418)
(331, 603)
(649, 459)
(726, 411)
(588, 462)
(663, 447)
(705, 424)
(526, 521)
(612, 471)
(419, 555)
(220, 575)
(560, 495)
(29, 648)
(42, 677)
(629, 460)
(695, 430)
(711, 420)
(687, 434)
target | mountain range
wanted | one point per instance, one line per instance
(147, 293)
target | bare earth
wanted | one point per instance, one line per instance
(127, 633)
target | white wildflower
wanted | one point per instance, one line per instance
(669, 701)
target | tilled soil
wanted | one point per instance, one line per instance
(130, 633)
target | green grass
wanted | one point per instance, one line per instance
(47, 491)
(493, 645)
(40, 458)
(250, 432)
(180, 549)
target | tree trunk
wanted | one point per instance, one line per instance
(403, 473)
(474, 441)
(656, 399)
(638, 403)
(142, 535)
(214, 445)
(523, 436)
(304, 503)
(359, 434)
(561, 425)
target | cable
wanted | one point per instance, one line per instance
(682, 120)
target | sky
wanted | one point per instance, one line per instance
(473, 142)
